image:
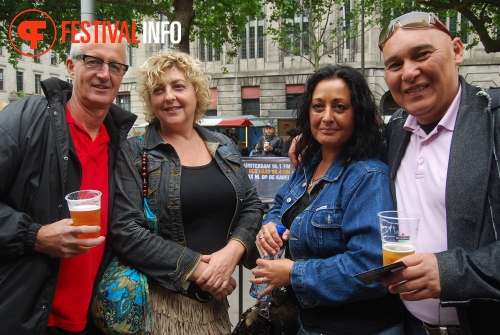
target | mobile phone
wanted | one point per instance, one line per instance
(375, 275)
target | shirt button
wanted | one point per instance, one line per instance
(289, 200)
(304, 184)
(421, 161)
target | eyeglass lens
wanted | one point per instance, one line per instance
(95, 63)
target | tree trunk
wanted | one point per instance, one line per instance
(184, 13)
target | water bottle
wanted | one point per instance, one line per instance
(256, 289)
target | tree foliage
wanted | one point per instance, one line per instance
(481, 18)
(483, 15)
(310, 29)
(219, 21)
(328, 30)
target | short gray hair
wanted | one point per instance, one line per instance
(76, 48)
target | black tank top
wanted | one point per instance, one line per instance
(208, 202)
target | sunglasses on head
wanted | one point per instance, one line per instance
(413, 20)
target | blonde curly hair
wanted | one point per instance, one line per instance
(150, 74)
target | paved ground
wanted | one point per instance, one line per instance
(248, 301)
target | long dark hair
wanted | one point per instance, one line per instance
(367, 140)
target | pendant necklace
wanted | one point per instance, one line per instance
(313, 181)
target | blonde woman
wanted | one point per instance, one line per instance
(207, 210)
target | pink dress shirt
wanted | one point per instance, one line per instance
(420, 188)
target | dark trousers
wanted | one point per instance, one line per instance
(413, 326)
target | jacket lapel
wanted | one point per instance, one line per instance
(468, 169)
(398, 140)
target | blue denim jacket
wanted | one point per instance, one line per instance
(338, 235)
(165, 257)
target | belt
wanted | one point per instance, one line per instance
(443, 330)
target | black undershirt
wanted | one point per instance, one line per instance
(429, 127)
(208, 202)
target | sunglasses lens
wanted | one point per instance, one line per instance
(410, 20)
(415, 21)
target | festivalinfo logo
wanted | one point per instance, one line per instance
(33, 31)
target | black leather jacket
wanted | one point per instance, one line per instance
(38, 166)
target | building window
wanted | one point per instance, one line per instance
(38, 80)
(464, 26)
(298, 40)
(347, 8)
(244, 44)
(260, 38)
(251, 44)
(250, 107)
(213, 53)
(453, 25)
(210, 52)
(53, 58)
(123, 100)
(293, 95)
(1, 79)
(250, 100)
(36, 59)
(202, 50)
(217, 54)
(19, 81)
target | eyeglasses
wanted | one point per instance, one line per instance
(413, 20)
(95, 63)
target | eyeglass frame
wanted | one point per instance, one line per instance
(388, 31)
(84, 56)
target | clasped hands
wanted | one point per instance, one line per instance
(214, 272)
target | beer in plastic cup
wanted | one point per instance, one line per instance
(85, 209)
(398, 231)
(266, 143)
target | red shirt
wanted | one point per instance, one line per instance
(77, 274)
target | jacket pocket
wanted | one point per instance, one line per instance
(326, 230)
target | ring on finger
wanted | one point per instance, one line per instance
(262, 280)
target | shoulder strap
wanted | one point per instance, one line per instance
(150, 216)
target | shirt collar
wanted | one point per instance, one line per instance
(448, 120)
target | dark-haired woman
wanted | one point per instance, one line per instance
(330, 206)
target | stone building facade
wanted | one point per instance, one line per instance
(262, 81)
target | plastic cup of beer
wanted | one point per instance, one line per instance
(85, 209)
(266, 143)
(398, 230)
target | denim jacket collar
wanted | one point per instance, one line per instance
(154, 139)
(333, 173)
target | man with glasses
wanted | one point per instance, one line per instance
(51, 146)
(443, 148)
